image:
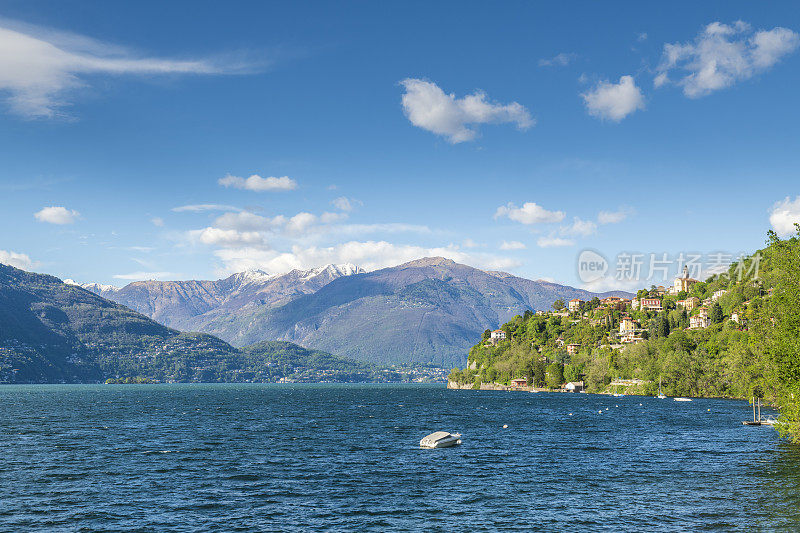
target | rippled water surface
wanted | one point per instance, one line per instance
(301, 457)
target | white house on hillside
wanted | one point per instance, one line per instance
(498, 335)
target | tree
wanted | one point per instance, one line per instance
(572, 372)
(487, 334)
(780, 325)
(527, 316)
(659, 327)
(554, 375)
(558, 305)
(715, 314)
(684, 321)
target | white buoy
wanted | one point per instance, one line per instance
(570, 414)
(600, 412)
(616, 406)
(505, 426)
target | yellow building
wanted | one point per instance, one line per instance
(627, 324)
(684, 282)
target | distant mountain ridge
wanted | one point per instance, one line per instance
(429, 310)
(55, 332)
(179, 304)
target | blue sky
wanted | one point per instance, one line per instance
(391, 132)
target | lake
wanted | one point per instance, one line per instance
(235, 457)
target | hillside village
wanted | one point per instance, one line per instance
(617, 343)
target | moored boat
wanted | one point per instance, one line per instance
(440, 439)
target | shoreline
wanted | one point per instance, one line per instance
(498, 387)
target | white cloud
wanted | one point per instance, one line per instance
(39, 67)
(614, 101)
(247, 221)
(512, 245)
(243, 227)
(259, 184)
(553, 242)
(613, 217)
(17, 260)
(370, 255)
(784, 215)
(641, 37)
(198, 208)
(430, 108)
(529, 213)
(559, 60)
(579, 227)
(723, 54)
(469, 243)
(386, 227)
(157, 221)
(344, 203)
(136, 276)
(57, 215)
(227, 237)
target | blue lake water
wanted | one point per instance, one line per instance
(346, 457)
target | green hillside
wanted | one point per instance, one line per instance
(748, 346)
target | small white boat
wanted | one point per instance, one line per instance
(618, 395)
(440, 439)
(683, 399)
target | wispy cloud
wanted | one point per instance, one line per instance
(614, 101)
(430, 108)
(579, 227)
(136, 276)
(512, 245)
(197, 208)
(369, 255)
(553, 242)
(613, 217)
(529, 213)
(344, 203)
(258, 184)
(559, 60)
(40, 67)
(723, 54)
(57, 215)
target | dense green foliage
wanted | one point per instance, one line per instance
(750, 348)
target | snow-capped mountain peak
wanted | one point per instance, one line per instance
(253, 276)
(93, 287)
(345, 269)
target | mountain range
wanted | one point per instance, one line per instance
(53, 332)
(430, 310)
